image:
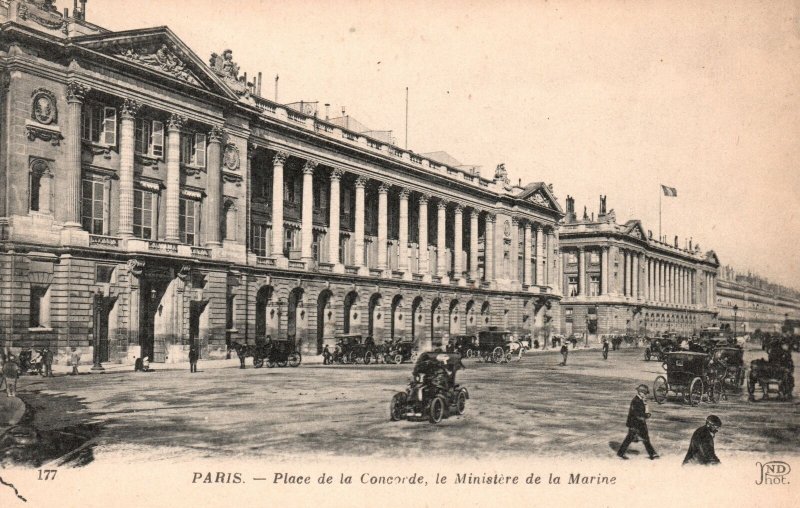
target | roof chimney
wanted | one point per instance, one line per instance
(570, 215)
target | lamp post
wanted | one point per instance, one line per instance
(98, 308)
(735, 310)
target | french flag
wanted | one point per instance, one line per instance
(669, 191)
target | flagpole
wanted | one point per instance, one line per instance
(660, 192)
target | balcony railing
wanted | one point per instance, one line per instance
(352, 270)
(397, 274)
(325, 267)
(103, 241)
(160, 246)
(298, 265)
(201, 252)
(416, 277)
(375, 272)
(265, 261)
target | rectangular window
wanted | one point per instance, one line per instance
(572, 257)
(99, 124)
(142, 136)
(260, 239)
(193, 149)
(103, 273)
(94, 211)
(594, 257)
(572, 286)
(36, 187)
(144, 214)
(40, 307)
(230, 313)
(289, 191)
(150, 137)
(187, 218)
(594, 285)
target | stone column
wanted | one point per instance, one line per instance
(514, 251)
(642, 277)
(334, 222)
(635, 277)
(277, 205)
(473, 244)
(488, 249)
(581, 271)
(526, 255)
(71, 197)
(383, 226)
(545, 256)
(402, 237)
(540, 256)
(423, 236)
(559, 275)
(126, 140)
(213, 202)
(358, 255)
(441, 246)
(307, 224)
(626, 276)
(550, 256)
(604, 271)
(458, 243)
(173, 183)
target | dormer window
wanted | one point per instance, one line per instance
(99, 124)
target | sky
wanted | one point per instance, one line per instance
(611, 97)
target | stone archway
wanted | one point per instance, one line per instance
(398, 326)
(485, 318)
(351, 317)
(296, 317)
(437, 323)
(326, 324)
(455, 322)
(418, 325)
(267, 318)
(375, 318)
(470, 320)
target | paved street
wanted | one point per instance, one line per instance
(531, 406)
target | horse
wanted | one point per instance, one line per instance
(764, 372)
(242, 351)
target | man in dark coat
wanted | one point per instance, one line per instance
(47, 360)
(194, 355)
(564, 353)
(637, 424)
(605, 349)
(701, 447)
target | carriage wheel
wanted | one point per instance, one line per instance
(696, 391)
(715, 392)
(507, 359)
(436, 409)
(283, 363)
(352, 358)
(497, 354)
(647, 355)
(414, 356)
(258, 362)
(461, 402)
(398, 358)
(295, 359)
(660, 389)
(270, 363)
(470, 353)
(396, 406)
(367, 357)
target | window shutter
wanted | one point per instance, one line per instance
(157, 139)
(109, 126)
(106, 206)
(200, 149)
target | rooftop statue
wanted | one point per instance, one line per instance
(225, 67)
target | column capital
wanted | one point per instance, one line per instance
(252, 148)
(514, 221)
(76, 92)
(336, 174)
(424, 198)
(581, 248)
(489, 218)
(309, 166)
(175, 122)
(442, 204)
(459, 209)
(528, 225)
(216, 134)
(129, 109)
(383, 188)
(404, 193)
(536, 227)
(280, 158)
(361, 182)
(606, 247)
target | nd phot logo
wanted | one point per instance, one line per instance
(773, 472)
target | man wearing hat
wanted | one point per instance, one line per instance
(637, 424)
(701, 447)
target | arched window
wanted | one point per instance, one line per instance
(40, 180)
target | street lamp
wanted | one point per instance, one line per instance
(735, 309)
(98, 308)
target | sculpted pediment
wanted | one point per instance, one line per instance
(540, 194)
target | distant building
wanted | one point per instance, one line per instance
(617, 278)
(760, 304)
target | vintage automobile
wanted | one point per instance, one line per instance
(658, 347)
(689, 376)
(433, 392)
(353, 348)
(282, 353)
(399, 351)
(729, 362)
(465, 345)
(774, 374)
(497, 346)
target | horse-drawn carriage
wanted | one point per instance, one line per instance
(498, 346)
(660, 346)
(690, 377)
(354, 348)
(729, 362)
(280, 352)
(433, 392)
(774, 374)
(464, 345)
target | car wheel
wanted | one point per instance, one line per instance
(258, 362)
(470, 353)
(367, 357)
(397, 406)
(660, 389)
(270, 363)
(414, 356)
(461, 402)
(436, 409)
(398, 358)
(283, 363)
(295, 359)
(695, 391)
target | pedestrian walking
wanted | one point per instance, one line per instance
(564, 353)
(47, 359)
(76, 360)
(605, 349)
(637, 424)
(701, 446)
(194, 355)
(10, 372)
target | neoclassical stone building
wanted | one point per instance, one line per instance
(618, 279)
(760, 305)
(151, 198)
